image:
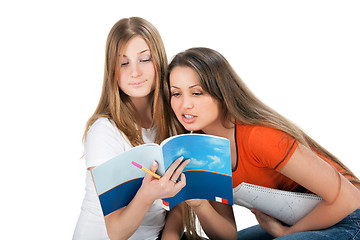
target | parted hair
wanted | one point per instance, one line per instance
(113, 103)
(218, 78)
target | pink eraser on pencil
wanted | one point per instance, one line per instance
(136, 164)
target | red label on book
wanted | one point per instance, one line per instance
(165, 203)
(222, 200)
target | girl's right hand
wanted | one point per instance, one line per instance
(269, 224)
(168, 185)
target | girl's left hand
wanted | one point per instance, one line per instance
(194, 203)
(167, 186)
(269, 224)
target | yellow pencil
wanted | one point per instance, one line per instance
(145, 169)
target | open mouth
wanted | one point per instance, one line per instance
(188, 119)
(188, 116)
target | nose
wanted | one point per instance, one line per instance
(187, 102)
(135, 70)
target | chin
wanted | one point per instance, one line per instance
(191, 128)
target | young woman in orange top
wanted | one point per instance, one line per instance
(268, 150)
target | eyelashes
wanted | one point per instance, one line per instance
(176, 94)
(146, 60)
(142, 60)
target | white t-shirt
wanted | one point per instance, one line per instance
(103, 142)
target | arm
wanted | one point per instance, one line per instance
(122, 223)
(174, 227)
(340, 197)
(216, 219)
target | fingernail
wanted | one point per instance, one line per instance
(154, 163)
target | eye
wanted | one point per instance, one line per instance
(146, 59)
(124, 64)
(175, 94)
(197, 93)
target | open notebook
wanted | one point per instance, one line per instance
(288, 207)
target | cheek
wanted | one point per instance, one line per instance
(121, 77)
(150, 70)
(151, 75)
(119, 81)
(174, 105)
(214, 106)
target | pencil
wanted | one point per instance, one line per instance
(145, 169)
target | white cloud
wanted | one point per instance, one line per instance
(218, 149)
(181, 152)
(196, 163)
(216, 162)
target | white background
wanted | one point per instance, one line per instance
(300, 57)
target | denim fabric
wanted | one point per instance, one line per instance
(346, 229)
(252, 233)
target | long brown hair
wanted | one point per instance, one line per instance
(113, 103)
(218, 78)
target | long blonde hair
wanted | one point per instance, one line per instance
(218, 78)
(116, 106)
(113, 103)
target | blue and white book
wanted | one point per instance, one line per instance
(208, 175)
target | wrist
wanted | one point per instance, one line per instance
(287, 231)
(144, 197)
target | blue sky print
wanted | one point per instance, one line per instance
(208, 153)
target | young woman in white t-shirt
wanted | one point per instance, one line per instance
(130, 112)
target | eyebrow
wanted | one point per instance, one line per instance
(195, 85)
(139, 53)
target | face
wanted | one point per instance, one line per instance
(137, 73)
(193, 107)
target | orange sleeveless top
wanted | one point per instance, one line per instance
(261, 153)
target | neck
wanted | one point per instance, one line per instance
(143, 109)
(221, 130)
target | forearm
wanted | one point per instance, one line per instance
(340, 197)
(123, 223)
(214, 224)
(327, 214)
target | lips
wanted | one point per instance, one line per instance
(137, 84)
(188, 118)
